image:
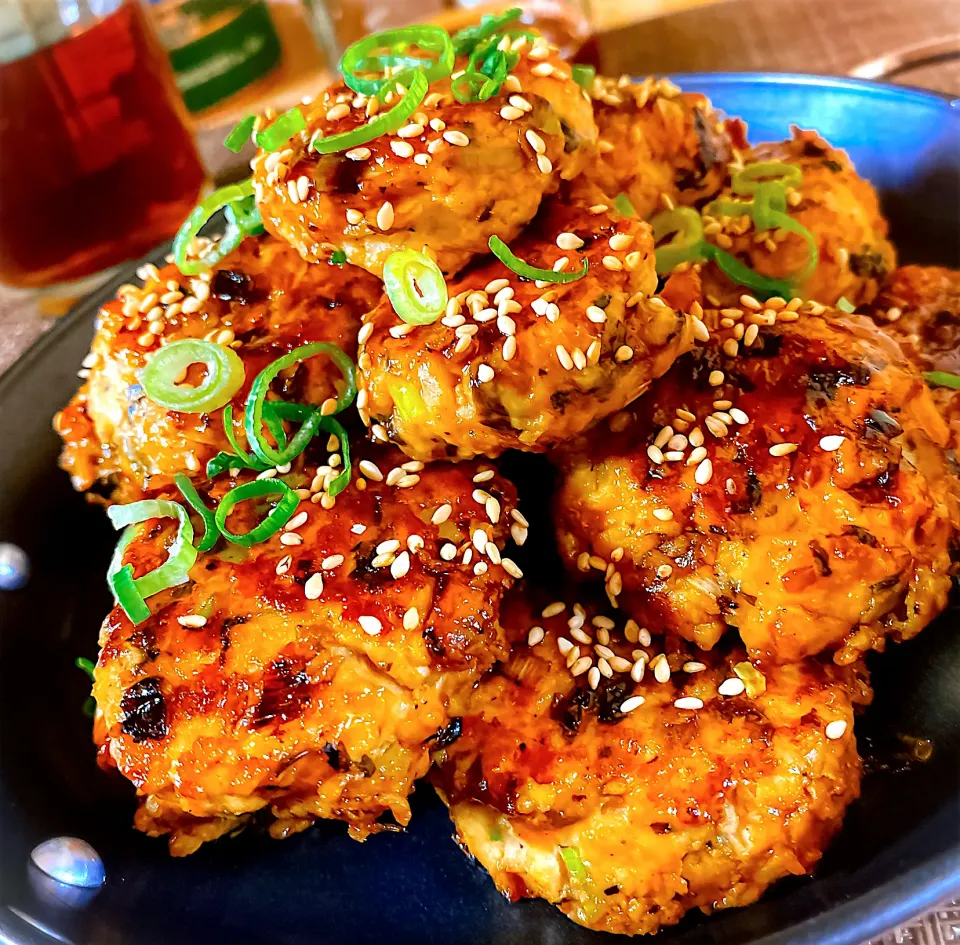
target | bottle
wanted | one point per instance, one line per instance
(96, 162)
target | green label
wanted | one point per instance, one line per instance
(215, 66)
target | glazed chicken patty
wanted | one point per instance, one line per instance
(795, 490)
(308, 677)
(920, 308)
(520, 364)
(657, 145)
(262, 301)
(452, 177)
(628, 803)
(837, 206)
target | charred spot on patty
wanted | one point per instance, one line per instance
(231, 285)
(143, 711)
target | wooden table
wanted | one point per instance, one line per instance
(818, 36)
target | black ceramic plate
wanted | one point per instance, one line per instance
(898, 854)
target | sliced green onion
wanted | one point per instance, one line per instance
(736, 271)
(467, 39)
(845, 305)
(466, 87)
(573, 862)
(583, 76)
(415, 286)
(245, 214)
(282, 130)
(362, 56)
(623, 206)
(281, 513)
(343, 479)
(747, 179)
(517, 265)
(943, 379)
(685, 227)
(181, 555)
(238, 137)
(338, 257)
(210, 532)
(381, 124)
(232, 235)
(253, 417)
(88, 666)
(166, 365)
(231, 437)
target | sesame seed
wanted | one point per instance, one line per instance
(782, 449)
(371, 470)
(673, 456)
(579, 358)
(358, 154)
(564, 646)
(485, 373)
(602, 650)
(661, 671)
(422, 159)
(750, 335)
(509, 113)
(509, 348)
(290, 538)
(731, 347)
(831, 443)
(696, 434)
(400, 565)
(283, 565)
(664, 571)
(596, 315)
(704, 472)
(835, 729)
(544, 164)
(580, 635)
(402, 148)
(338, 111)
(612, 263)
(664, 515)
(731, 687)
(299, 519)
(564, 358)
(551, 610)
(692, 666)
(569, 241)
(411, 131)
(456, 138)
(598, 208)
(535, 141)
(715, 379)
(689, 702)
(448, 551)
(700, 331)
(748, 301)
(331, 562)
(370, 625)
(407, 482)
(194, 621)
(628, 705)
(696, 455)
(313, 587)
(654, 454)
(738, 416)
(518, 101)
(510, 566)
(716, 427)
(542, 70)
(593, 677)
(385, 216)
(678, 442)
(581, 666)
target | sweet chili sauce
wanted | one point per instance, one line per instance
(96, 163)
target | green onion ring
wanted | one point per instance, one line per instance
(942, 379)
(88, 666)
(517, 265)
(210, 532)
(232, 235)
(282, 130)
(467, 39)
(747, 179)
(343, 479)
(845, 305)
(363, 53)
(253, 416)
(225, 375)
(245, 214)
(415, 286)
(685, 227)
(623, 206)
(742, 274)
(238, 137)
(466, 88)
(573, 862)
(281, 513)
(175, 570)
(381, 124)
(583, 76)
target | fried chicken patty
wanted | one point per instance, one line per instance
(837, 206)
(307, 677)
(920, 307)
(263, 300)
(520, 364)
(628, 803)
(452, 177)
(796, 490)
(657, 145)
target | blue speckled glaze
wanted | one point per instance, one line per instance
(897, 855)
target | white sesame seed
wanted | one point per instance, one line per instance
(358, 154)
(485, 373)
(194, 621)
(479, 539)
(597, 315)
(457, 138)
(580, 635)
(620, 241)
(628, 705)
(410, 131)
(331, 562)
(509, 113)
(693, 666)
(400, 565)
(299, 519)
(535, 141)
(661, 672)
(509, 348)
(371, 470)
(579, 359)
(569, 241)
(283, 565)
(313, 587)
(544, 164)
(422, 159)
(664, 571)
(407, 482)
(370, 625)
(612, 263)
(689, 702)
(402, 148)
(290, 538)
(704, 472)
(731, 687)
(638, 669)
(664, 515)
(715, 379)
(782, 449)
(338, 111)
(831, 443)
(654, 454)
(623, 354)
(748, 301)
(835, 729)
(564, 358)
(551, 610)
(738, 416)
(593, 677)
(506, 325)
(564, 646)
(581, 666)
(385, 216)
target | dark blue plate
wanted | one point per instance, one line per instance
(897, 855)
